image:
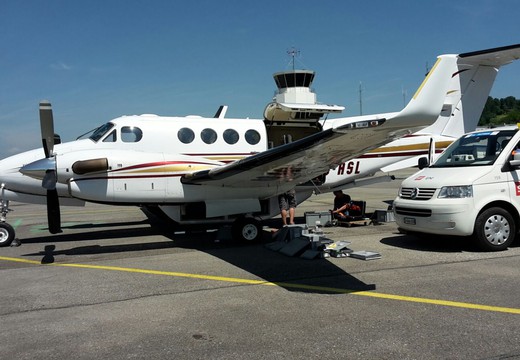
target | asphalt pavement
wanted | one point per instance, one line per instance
(114, 286)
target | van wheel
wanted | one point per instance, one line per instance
(494, 229)
(246, 229)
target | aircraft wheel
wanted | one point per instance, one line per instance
(6, 234)
(246, 229)
(494, 229)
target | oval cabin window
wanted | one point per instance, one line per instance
(231, 136)
(252, 137)
(209, 136)
(185, 135)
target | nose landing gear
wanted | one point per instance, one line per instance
(6, 230)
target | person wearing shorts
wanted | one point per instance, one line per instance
(287, 202)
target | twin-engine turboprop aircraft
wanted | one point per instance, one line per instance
(213, 169)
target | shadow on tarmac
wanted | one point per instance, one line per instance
(436, 243)
(292, 273)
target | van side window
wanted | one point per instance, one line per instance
(131, 134)
(185, 135)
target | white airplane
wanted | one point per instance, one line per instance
(472, 79)
(193, 168)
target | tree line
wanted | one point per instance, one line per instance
(498, 112)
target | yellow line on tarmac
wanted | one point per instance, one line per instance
(282, 284)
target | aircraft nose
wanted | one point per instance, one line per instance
(7, 169)
(37, 169)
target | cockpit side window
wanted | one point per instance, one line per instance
(131, 134)
(101, 131)
(112, 137)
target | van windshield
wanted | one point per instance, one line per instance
(475, 149)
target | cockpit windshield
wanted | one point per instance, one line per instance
(475, 149)
(101, 131)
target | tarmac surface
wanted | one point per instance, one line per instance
(112, 286)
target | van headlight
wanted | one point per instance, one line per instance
(456, 192)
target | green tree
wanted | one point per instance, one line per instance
(498, 112)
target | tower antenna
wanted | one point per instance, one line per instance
(293, 53)
(360, 98)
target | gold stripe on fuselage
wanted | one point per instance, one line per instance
(423, 146)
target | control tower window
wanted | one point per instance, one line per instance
(231, 136)
(209, 136)
(185, 135)
(280, 81)
(252, 137)
(131, 134)
(290, 79)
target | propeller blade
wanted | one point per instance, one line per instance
(47, 127)
(47, 169)
(49, 180)
(53, 211)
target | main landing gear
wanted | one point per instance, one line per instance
(6, 230)
(247, 229)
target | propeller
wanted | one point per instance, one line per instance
(45, 169)
(47, 128)
(50, 178)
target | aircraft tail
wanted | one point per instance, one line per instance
(472, 78)
(427, 103)
(423, 109)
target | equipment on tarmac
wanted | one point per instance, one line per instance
(310, 243)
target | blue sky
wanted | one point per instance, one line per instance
(96, 60)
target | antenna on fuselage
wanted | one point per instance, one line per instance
(221, 112)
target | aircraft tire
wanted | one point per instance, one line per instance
(246, 229)
(494, 229)
(6, 234)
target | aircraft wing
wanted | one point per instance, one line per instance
(295, 162)
(291, 164)
(286, 166)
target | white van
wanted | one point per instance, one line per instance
(473, 189)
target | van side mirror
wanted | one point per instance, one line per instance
(422, 162)
(514, 163)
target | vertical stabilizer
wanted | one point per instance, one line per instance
(465, 99)
(429, 98)
(471, 81)
(475, 86)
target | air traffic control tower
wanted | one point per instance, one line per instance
(294, 112)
